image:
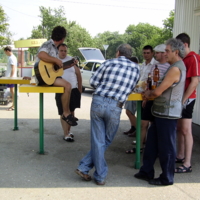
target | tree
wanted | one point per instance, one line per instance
(77, 37)
(140, 35)
(50, 18)
(113, 39)
(168, 26)
(5, 35)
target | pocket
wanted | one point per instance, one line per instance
(159, 105)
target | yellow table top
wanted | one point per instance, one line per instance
(13, 80)
(135, 97)
(40, 89)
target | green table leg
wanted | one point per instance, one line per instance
(41, 151)
(15, 111)
(138, 133)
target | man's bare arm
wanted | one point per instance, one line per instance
(79, 78)
(13, 69)
(172, 76)
(47, 58)
(192, 86)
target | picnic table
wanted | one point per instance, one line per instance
(41, 90)
(49, 89)
(15, 81)
(137, 97)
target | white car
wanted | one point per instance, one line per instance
(94, 58)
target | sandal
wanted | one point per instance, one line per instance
(71, 135)
(10, 108)
(70, 120)
(86, 177)
(178, 160)
(183, 169)
(68, 139)
(75, 118)
(133, 150)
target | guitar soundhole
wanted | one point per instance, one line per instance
(56, 68)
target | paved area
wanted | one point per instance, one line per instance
(24, 174)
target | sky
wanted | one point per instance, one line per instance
(96, 16)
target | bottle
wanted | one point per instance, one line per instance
(156, 76)
(149, 81)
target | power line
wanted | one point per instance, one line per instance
(20, 12)
(98, 4)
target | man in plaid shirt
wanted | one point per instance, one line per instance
(114, 81)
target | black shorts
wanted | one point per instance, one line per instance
(187, 112)
(75, 101)
(146, 112)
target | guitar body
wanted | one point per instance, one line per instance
(46, 73)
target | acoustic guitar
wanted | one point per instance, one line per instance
(46, 73)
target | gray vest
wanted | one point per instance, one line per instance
(169, 103)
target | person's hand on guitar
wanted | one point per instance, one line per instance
(58, 62)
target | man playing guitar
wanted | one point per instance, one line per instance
(48, 53)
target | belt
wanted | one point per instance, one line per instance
(119, 104)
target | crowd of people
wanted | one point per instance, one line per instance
(167, 115)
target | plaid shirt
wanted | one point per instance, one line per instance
(116, 78)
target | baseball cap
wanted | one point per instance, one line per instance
(160, 48)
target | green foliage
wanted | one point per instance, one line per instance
(168, 26)
(113, 39)
(136, 35)
(5, 35)
(77, 37)
(141, 35)
(3, 57)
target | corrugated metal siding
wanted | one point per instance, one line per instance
(186, 21)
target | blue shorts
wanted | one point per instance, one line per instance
(10, 85)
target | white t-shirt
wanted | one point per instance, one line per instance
(69, 74)
(12, 60)
(146, 69)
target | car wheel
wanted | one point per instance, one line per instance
(83, 89)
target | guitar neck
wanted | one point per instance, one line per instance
(68, 63)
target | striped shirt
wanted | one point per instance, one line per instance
(115, 78)
(162, 69)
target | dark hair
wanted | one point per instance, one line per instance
(134, 59)
(8, 48)
(184, 37)
(125, 50)
(148, 47)
(62, 45)
(58, 33)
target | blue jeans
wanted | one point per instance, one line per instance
(105, 118)
(161, 143)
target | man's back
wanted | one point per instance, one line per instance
(116, 78)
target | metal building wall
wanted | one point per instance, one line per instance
(186, 21)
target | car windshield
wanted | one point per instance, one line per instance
(91, 54)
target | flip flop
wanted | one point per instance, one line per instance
(133, 150)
